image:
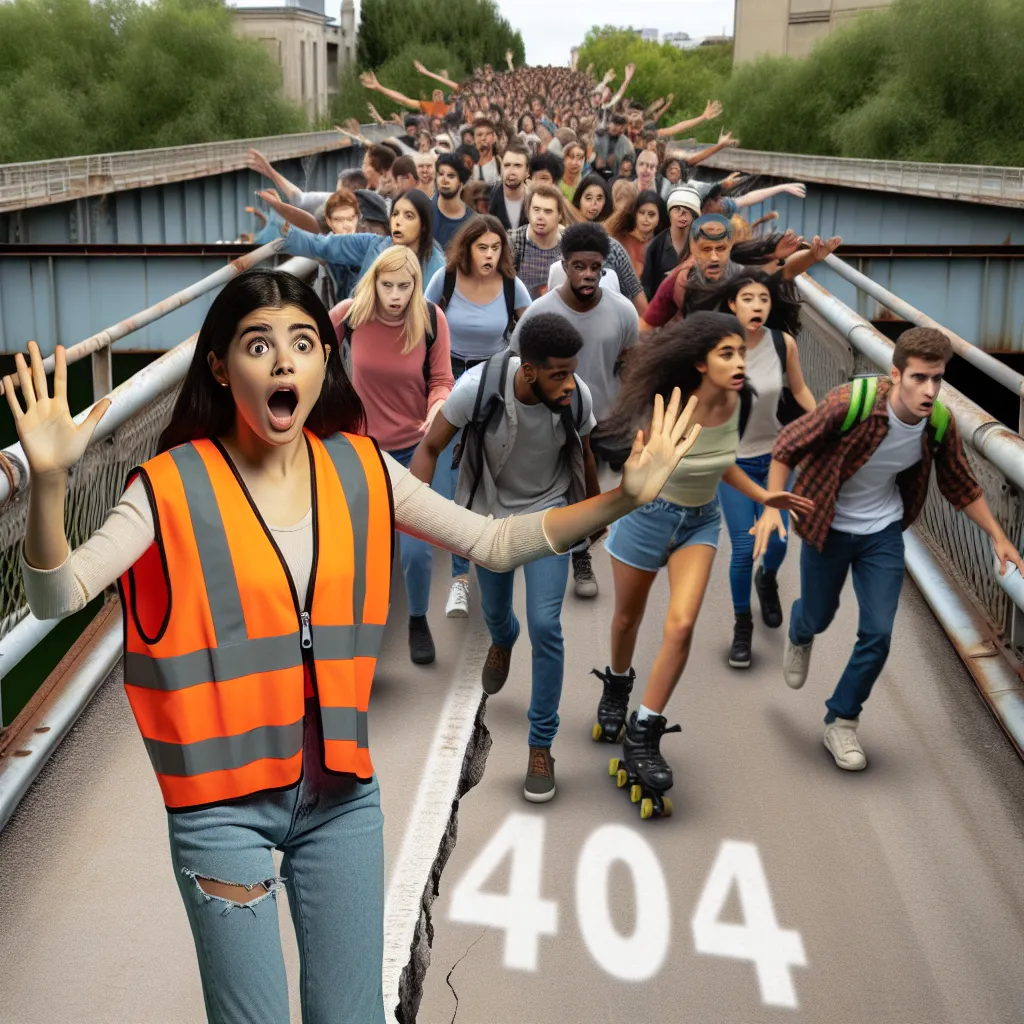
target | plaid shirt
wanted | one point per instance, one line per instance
(827, 459)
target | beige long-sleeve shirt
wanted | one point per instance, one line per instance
(127, 533)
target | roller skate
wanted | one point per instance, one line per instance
(613, 706)
(643, 768)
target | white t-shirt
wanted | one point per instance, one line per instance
(488, 171)
(609, 279)
(870, 500)
(514, 209)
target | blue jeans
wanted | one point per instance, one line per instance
(545, 588)
(445, 481)
(876, 560)
(648, 537)
(740, 515)
(331, 831)
(417, 555)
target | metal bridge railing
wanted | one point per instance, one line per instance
(1002, 186)
(56, 181)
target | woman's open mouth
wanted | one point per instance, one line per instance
(282, 405)
(737, 380)
(755, 323)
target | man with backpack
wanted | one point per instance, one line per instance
(526, 420)
(865, 457)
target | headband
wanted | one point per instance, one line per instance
(697, 231)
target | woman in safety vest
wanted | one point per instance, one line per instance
(253, 558)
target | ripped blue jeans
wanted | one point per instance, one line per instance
(330, 830)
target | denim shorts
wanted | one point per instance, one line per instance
(649, 535)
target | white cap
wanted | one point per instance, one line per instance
(686, 196)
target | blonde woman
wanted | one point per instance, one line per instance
(397, 346)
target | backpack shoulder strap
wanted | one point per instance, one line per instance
(862, 400)
(510, 300)
(779, 341)
(449, 288)
(492, 385)
(938, 423)
(431, 325)
(577, 405)
(746, 404)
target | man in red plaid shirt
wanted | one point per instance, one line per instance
(868, 477)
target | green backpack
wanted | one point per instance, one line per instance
(864, 389)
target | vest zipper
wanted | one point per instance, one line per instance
(307, 636)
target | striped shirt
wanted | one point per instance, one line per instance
(826, 459)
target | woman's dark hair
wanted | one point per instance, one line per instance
(594, 179)
(459, 252)
(206, 409)
(622, 222)
(665, 359)
(547, 162)
(548, 336)
(425, 211)
(785, 299)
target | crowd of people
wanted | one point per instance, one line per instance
(533, 336)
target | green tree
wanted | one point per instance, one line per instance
(396, 73)
(693, 76)
(81, 77)
(472, 31)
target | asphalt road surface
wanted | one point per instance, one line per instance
(780, 888)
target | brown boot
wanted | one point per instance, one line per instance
(499, 660)
(540, 776)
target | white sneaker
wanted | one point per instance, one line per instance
(458, 600)
(841, 740)
(796, 663)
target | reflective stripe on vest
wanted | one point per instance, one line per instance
(213, 637)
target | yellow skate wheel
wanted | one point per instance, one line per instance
(635, 794)
(646, 807)
(597, 732)
(666, 807)
(613, 767)
(621, 778)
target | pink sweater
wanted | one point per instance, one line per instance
(393, 388)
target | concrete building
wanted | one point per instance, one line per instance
(789, 28)
(680, 40)
(649, 35)
(310, 48)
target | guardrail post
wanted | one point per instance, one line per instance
(102, 373)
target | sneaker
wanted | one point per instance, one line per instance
(495, 671)
(540, 776)
(742, 634)
(583, 575)
(458, 599)
(841, 740)
(767, 587)
(421, 643)
(796, 662)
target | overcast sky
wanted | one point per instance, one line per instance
(551, 28)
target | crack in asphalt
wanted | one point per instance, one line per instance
(448, 979)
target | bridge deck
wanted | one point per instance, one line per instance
(903, 882)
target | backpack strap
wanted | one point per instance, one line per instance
(449, 288)
(429, 338)
(938, 423)
(577, 401)
(746, 404)
(490, 397)
(510, 302)
(863, 391)
(779, 341)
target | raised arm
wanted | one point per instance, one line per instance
(724, 140)
(454, 86)
(759, 195)
(369, 80)
(627, 78)
(261, 165)
(711, 111)
(802, 261)
(292, 214)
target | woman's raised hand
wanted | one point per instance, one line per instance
(51, 439)
(650, 465)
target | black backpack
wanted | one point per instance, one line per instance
(490, 401)
(788, 408)
(347, 331)
(509, 287)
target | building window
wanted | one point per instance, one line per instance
(316, 82)
(302, 67)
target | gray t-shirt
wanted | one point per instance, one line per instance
(611, 326)
(532, 475)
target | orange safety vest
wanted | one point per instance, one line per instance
(216, 639)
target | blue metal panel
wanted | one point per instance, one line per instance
(982, 300)
(68, 298)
